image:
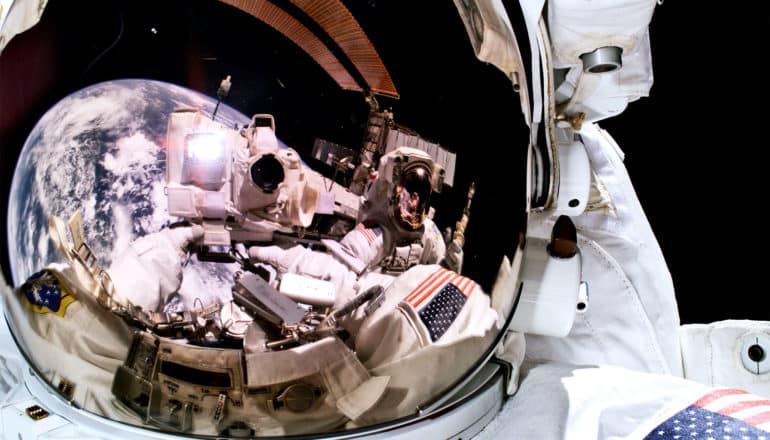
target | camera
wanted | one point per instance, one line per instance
(243, 185)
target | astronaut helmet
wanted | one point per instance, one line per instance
(412, 195)
(183, 387)
(400, 194)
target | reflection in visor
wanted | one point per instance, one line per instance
(252, 392)
(414, 196)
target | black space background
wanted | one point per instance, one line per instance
(696, 149)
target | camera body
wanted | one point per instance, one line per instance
(243, 185)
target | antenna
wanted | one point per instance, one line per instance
(224, 89)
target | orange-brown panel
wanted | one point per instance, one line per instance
(337, 21)
(287, 25)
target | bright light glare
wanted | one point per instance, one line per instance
(207, 147)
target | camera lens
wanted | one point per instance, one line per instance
(267, 173)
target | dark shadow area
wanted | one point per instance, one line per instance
(698, 152)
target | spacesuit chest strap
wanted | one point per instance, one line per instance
(347, 381)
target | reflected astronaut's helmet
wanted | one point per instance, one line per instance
(399, 197)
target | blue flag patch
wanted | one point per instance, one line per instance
(43, 293)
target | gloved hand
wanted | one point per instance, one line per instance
(149, 271)
(453, 260)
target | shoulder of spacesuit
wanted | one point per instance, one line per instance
(616, 402)
(364, 243)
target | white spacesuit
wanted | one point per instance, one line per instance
(429, 317)
(606, 361)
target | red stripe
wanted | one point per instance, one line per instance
(464, 285)
(368, 234)
(431, 288)
(450, 278)
(758, 419)
(726, 411)
(456, 279)
(711, 397)
(422, 284)
(471, 289)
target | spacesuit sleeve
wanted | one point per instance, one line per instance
(453, 260)
(565, 401)
(21, 16)
(432, 327)
(363, 243)
(149, 271)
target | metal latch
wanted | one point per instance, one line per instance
(35, 412)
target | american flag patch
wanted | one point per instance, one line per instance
(371, 234)
(439, 299)
(725, 414)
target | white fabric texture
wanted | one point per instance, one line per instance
(579, 26)
(303, 261)
(434, 248)
(358, 245)
(11, 361)
(394, 341)
(562, 401)
(711, 354)
(601, 96)
(85, 346)
(632, 312)
(149, 271)
(23, 15)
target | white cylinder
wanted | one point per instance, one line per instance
(549, 291)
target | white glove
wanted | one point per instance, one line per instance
(149, 271)
(453, 260)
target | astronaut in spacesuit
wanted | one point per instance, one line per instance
(71, 321)
(429, 316)
(628, 329)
